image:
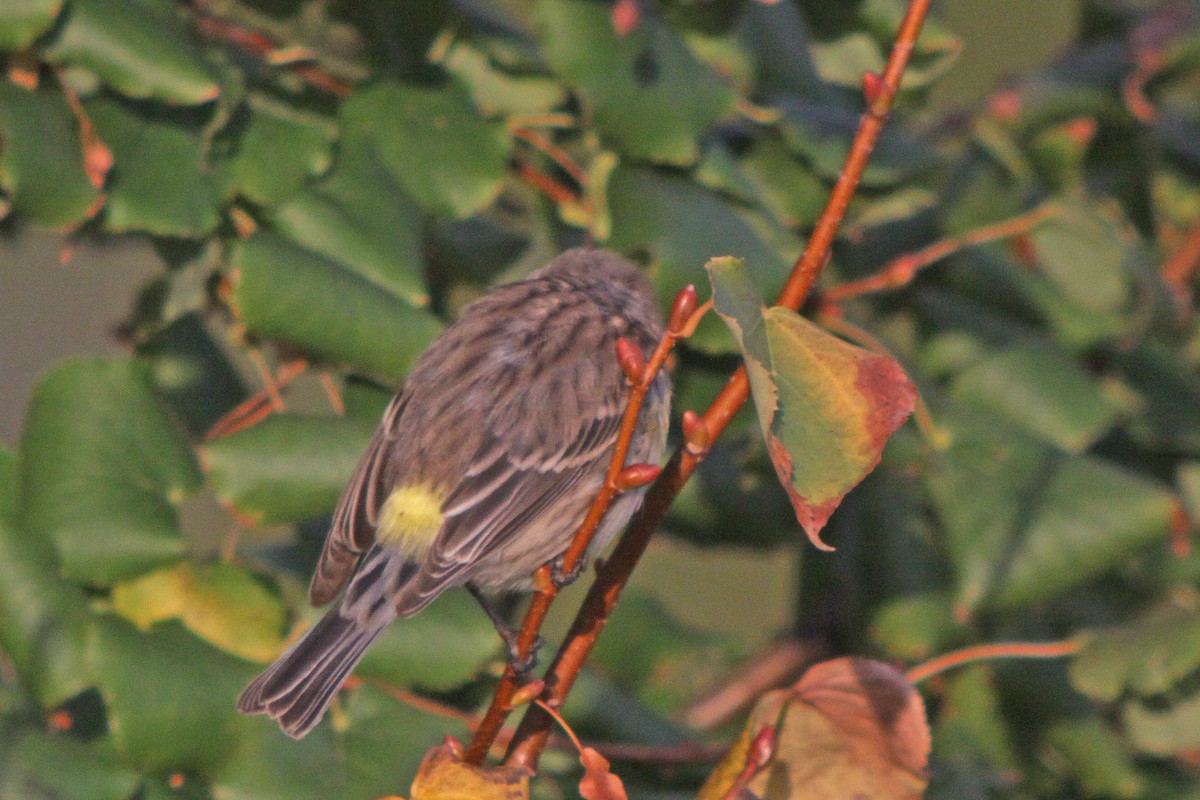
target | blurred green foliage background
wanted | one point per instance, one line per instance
(334, 180)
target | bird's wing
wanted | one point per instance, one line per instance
(504, 492)
(352, 530)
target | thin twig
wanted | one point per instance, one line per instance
(534, 729)
(539, 180)
(779, 664)
(263, 403)
(900, 271)
(553, 151)
(265, 48)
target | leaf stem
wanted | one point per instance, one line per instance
(988, 652)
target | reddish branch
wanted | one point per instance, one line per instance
(620, 477)
(900, 271)
(533, 731)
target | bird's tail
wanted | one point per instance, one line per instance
(299, 686)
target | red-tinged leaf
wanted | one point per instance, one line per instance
(599, 783)
(851, 727)
(826, 407)
(874, 707)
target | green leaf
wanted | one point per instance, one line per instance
(936, 48)
(141, 48)
(287, 468)
(42, 161)
(439, 649)
(384, 742)
(495, 92)
(1164, 731)
(1072, 538)
(192, 373)
(793, 193)
(41, 764)
(777, 38)
(1041, 389)
(43, 619)
(267, 765)
(1148, 657)
(843, 61)
(611, 712)
(1096, 756)
(684, 225)
(915, 627)
(169, 696)
(821, 131)
(1085, 254)
(433, 142)
(650, 97)
(971, 724)
(221, 603)
(23, 21)
(1167, 388)
(826, 407)
(10, 487)
(104, 470)
(161, 182)
(983, 487)
(664, 661)
(282, 291)
(280, 149)
(362, 218)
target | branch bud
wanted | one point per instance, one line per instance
(632, 360)
(872, 84)
(762, 748)
(636, 475)
(682, 309)
(696, 435)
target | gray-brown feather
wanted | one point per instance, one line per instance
(512, 412)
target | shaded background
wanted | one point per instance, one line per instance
(50, 310)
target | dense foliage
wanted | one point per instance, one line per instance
(333, 180)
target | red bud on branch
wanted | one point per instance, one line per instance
(682, 309)
(636, 475)
(872, 83)
(632, 360)
(696, 435)
(762, 749)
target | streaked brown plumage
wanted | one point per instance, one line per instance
(508, 420)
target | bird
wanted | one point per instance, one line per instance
(482, 469)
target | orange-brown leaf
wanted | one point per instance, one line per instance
(599, 783)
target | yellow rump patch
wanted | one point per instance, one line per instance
(410, 519)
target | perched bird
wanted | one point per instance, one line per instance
(483, 468)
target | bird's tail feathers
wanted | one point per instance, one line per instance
(299, 686)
